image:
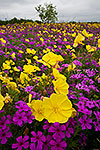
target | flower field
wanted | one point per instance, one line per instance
(50, 86)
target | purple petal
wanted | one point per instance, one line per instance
(26, 137)
(32, 146)
(19, 148)
(4, 140)
(26, 145)
(33, 133)
(52, 142)
(51, 129)
(15, 145)
(39, 145)
(56, 124)
(19, 139)
(39, 133)
(63, 144)
(68, 134)
(43, 138)
(9, 134)
(33, 139)
(89, 126)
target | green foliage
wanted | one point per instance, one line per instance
(47, 13)
(15, 20)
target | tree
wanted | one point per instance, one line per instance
(47, 13)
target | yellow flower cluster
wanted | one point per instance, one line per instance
(30, 68)
(5, 99)
(57, 107)
(52, 58)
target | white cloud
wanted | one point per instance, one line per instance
(68, 10)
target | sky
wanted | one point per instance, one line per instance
(68, 10)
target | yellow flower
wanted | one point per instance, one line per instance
(61, 86)
(27, 40)
(6, 66)
(30, 97)
(85, 33)
(68, 47)
(37, 109)
(23, 77)
(2, 41)
(12, 85)
(1, 101)
(71, 67)
(57, 108)
(41, 39)
(43, 62)
(73, 50)
(74, 34)
(7, 98)
(52, 58)
(99, 61)
(35, 57)
(13, 55)
(99, 43)
(28, 61)
(73, 56)
(30, 68)
(58, 75)
(90, 48)
(78, 40)
(30, 51)
(21, 51)
(16, 69)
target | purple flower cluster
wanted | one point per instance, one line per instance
(23, 115)
(22, 143)
(4, 129)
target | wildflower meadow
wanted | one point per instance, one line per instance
(50, 86)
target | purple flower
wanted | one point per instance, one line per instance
(4, 134)
(29, 88)
(82, 98)
(22, 106)
(97, 115)
(21, 143)
(76, 62)
(90, 73)
(69, 130)
(19, 118)
(39, 138)
(89, 104)
(20, 68)
(47, 125)
(29, 117)
(65, 65)
(96, 104)
(57, 129)
(47, 142)
(80, 104)
(85, 123)
(97, 125)
(33, 94)
(9, 119)
(85, 110)
(3, 122)
(58, 144)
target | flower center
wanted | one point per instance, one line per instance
(39, 111)
(55, 109)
